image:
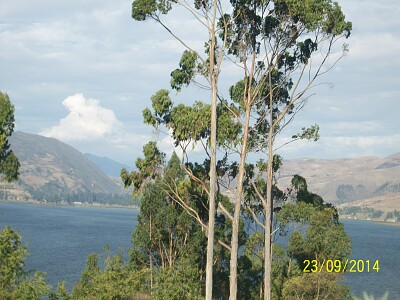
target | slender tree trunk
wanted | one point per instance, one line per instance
(161, 253)
(211, 217)
(269, 204)
(267, 232)
(170, 251)
(247, 99)
(236, 215)
(151, 261)
(213, 162)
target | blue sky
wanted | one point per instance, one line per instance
(83, 71)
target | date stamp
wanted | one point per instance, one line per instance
(338, 266)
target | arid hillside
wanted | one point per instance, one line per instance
(350, 179)
(54, 171)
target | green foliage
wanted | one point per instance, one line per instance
(286, 21)
(291, 32)
(9, 164)
(311, 133)
(169, 241)
(153, 159)
(179, 283)
(14, 280)
(115, 281)
(165, 231)
(316, 234)
(299, 183)
(250, 267)
(324, 238)
(316, 13)
(191, 123)
(188, 67)
(148, 167)
(162, 104)
(60, 294)
(13, 255)
(142, 9)
(315, 286)
(300, 193)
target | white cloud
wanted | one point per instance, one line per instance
(347, 146)
(166, 144)
(365, 128)
(382, 48)
(52, 49)
(371, 15)
(342, 146)
(86, 120)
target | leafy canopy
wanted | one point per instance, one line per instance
(14, 280)
(9, 164)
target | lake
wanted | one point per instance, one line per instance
(374, 241)
(61, 237)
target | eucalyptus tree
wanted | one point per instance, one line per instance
(9, 164)
(207, 13)
(169, 239)
(283, 47)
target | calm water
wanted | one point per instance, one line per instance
(60, 239)
(375, 242)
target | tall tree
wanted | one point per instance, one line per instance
(172, 221)
(9, 164)
(283, 47)
(207, 13)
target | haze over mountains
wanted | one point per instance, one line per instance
(107, 165)
(50, 168)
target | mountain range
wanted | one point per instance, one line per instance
(349, 181)
(107, 165)
(54, 171)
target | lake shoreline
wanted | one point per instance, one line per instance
(371, 221)
(95, 205)
(134, 207)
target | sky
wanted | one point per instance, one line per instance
(83, 71)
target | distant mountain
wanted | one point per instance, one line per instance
(54, 171)
(348, 179)
(107, 165)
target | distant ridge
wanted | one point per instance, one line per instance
(348, 179)
(54, 171)
(107, 165)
